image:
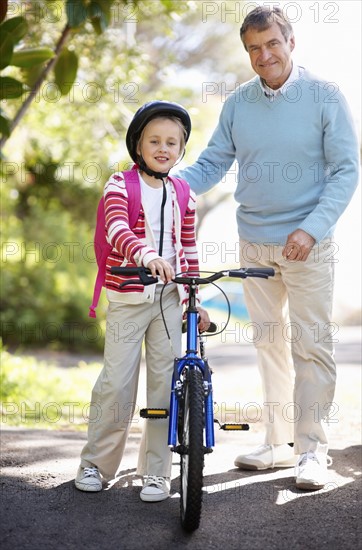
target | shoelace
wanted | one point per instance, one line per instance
(91, 471)
(156, 481)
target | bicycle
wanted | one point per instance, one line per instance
(191, 416)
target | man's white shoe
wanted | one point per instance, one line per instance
(88, 479)
(311, 471)
(267, 456)
(155, 488)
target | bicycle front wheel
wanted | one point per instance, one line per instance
(192, 454)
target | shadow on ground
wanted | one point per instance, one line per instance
(41, 509)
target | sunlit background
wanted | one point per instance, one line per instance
(63, 150)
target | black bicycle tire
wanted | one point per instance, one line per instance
(192, 462)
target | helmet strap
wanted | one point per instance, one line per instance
(144, 168)
(162, 221)
(160, 176)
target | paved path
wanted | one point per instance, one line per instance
(241, 510)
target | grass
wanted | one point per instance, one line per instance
(36, 394)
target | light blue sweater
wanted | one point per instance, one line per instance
(297, 158)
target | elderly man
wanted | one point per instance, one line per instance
(293, 138)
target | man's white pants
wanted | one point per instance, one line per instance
(114, 396)
(291, 316)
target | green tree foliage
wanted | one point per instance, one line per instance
(71, 17)
(50, 186)
(104, 60)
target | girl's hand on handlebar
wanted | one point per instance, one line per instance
(204, 319)
(159, 267)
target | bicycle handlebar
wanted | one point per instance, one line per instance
(264, 272)
(145, 277)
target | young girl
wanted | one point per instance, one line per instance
(161, 241)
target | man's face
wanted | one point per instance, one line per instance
(270, 54)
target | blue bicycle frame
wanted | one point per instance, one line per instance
(191, 360)
(191, 412)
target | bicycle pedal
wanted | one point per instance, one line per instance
(232, 427)
(154, 413)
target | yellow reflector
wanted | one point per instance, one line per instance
(233, 427)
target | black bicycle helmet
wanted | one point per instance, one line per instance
(147, 112)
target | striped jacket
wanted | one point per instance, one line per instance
(136, 246)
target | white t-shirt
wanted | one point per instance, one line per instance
(151, 201)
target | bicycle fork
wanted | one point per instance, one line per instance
(177, 394)
(191, 361)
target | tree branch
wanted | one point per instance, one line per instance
(24, 107)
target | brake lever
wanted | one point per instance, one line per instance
(143, 279)
(131, 282)
(147, 279)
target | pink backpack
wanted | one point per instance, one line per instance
(102, 248)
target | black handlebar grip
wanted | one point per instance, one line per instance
(128, 270)
(268, 271)
(212, 328)
(243, 273)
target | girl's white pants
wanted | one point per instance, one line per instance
(114, 396)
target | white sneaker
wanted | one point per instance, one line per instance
(88, 479)
(155, 488)
(311, 471)
(267, 456)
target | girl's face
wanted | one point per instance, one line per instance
(160, 144)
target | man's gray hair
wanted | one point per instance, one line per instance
(262, 17)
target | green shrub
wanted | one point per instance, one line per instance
(35, 394)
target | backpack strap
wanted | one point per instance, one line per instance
(182, 189)
(103, 250)
(133, 187)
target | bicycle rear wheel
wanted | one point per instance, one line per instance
(192, 454)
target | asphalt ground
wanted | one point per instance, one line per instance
(41, 509)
